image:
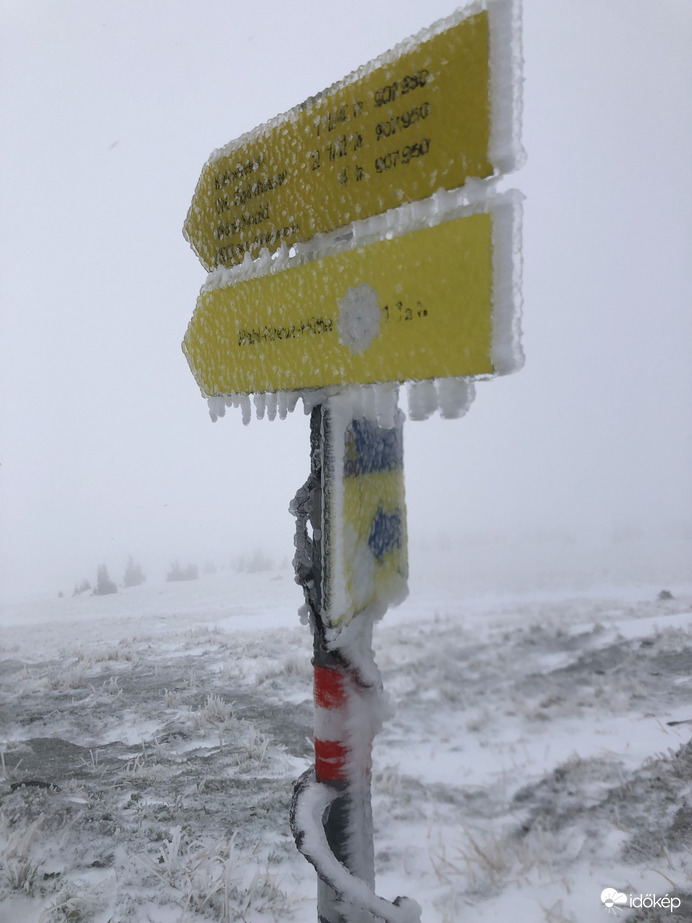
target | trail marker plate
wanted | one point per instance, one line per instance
(435, 112)
(365, 541)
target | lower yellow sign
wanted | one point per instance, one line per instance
(417, 306)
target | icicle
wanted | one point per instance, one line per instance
(386, 403)
(455, 396)
(422, 399)
(246, 408)
(217, 407)
(263, 261)
(311, 398)
(260, 401)
(283, 254)
(271, 406)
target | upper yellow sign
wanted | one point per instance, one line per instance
(393, 132)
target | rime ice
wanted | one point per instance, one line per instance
(413, 270)
(390, 151)
(438, 110)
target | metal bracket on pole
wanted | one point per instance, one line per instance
(354, 899)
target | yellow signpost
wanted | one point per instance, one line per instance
(417, 306)
(420, 118)
(347, 246)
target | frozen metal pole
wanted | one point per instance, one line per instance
(348, 820)
(331, 814)
(338, 691)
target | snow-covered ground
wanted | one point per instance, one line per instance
(540, 750)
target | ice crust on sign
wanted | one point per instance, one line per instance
(506, 352)
(506, 80)
(359, 317)
(452, 397)
(256, 196)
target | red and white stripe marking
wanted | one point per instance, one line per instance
(331, 716)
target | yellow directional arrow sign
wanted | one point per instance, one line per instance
(422, 305)
(422, 117)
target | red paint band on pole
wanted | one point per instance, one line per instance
(331, 751)
(330, 688)
(330, 760)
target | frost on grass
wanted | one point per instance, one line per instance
(18, 868)
(533, 742)
(172, 737)
(218, 878)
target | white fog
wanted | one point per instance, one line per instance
(540, 666)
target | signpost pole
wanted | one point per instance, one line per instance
(346, 693)
(347, 822)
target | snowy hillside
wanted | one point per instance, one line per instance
(540, 752)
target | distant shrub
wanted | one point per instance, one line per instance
(176, 572)
(133, 573)
(104, 584)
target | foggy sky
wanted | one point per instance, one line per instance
(108, 112)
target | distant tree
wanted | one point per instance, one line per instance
(259, 561)
(176, 572)
(81, 587)
(254, 563)
(104, 584)
(133, 573)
